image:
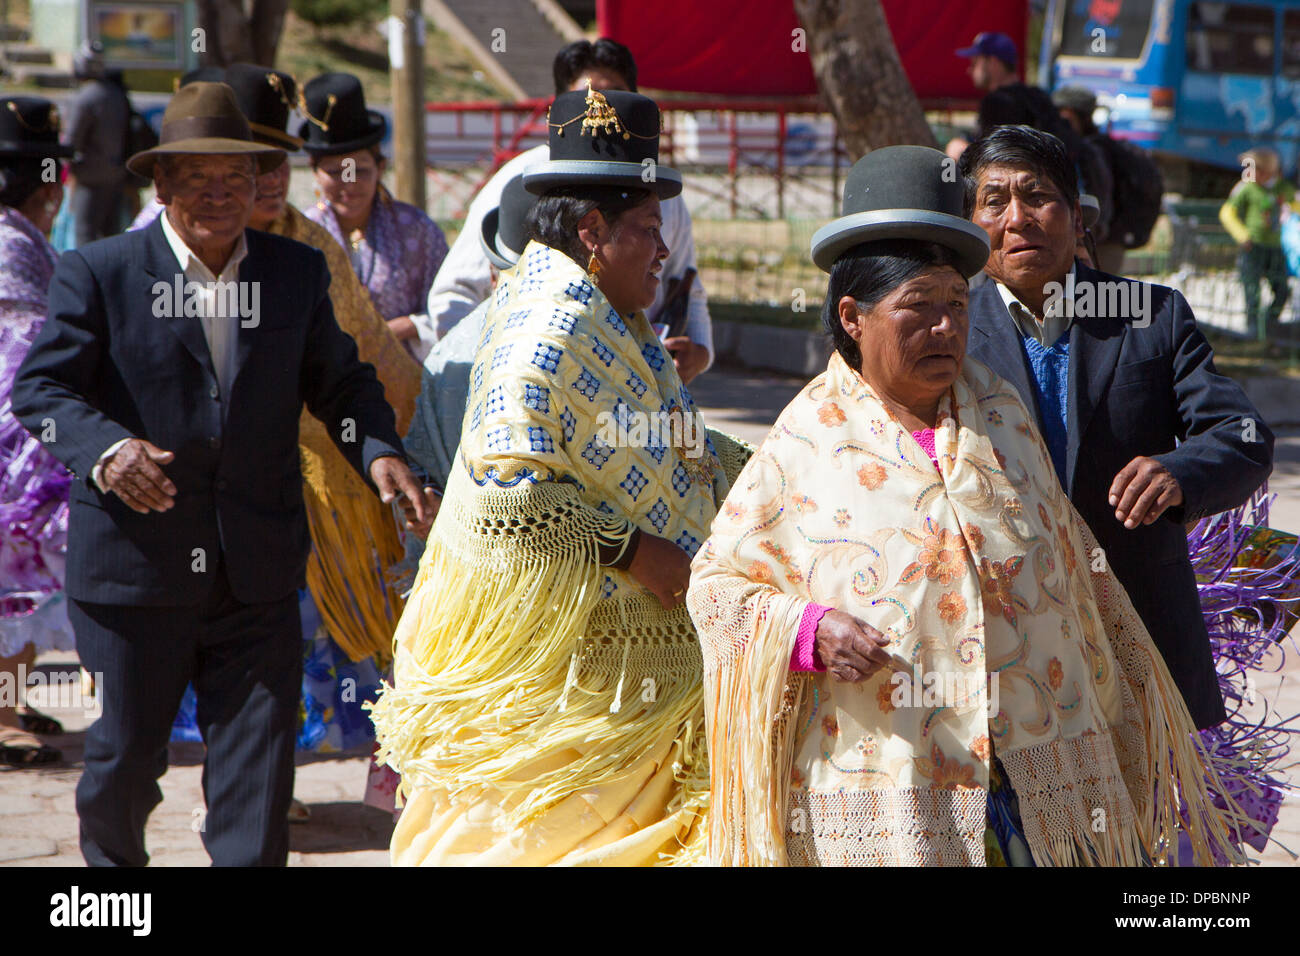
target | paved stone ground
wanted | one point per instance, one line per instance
(38, 824)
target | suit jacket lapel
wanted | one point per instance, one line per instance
(1095, 345)
(161, 266)
(995, 341)
(250, 270)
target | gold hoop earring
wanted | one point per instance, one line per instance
(593, 268)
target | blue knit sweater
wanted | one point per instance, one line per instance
(1050, 369)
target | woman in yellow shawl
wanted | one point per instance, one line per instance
(547, 707)
(914, 651)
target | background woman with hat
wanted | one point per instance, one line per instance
(911, 656)
(33, 485)
(395, 248)
(547, 702)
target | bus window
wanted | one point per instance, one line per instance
(1291, 45)
(1230, 38)
(1114, 29)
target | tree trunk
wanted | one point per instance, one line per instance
(267, 25)
(233, 36)
(860, 75)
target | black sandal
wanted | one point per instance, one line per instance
(35, 722)
(25, 755)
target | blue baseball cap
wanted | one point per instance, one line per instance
(993, 44)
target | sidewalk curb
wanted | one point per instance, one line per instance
(792, 351)
(1276, 397)
(803, 353)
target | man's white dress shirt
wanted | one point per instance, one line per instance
(219, 329)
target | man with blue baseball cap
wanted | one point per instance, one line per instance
(1007, 101)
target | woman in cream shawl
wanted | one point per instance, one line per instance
(914, 651)
(547, 707)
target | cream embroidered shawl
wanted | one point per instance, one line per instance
(984, 569)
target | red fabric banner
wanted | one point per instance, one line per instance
(746, 47)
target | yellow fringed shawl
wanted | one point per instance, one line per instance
(532, 687)
(981, 574)
(354, 534)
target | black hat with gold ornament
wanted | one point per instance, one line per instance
(604, 138)
(29, 127)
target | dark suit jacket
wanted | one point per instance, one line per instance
(1146, 391)
(106, 366)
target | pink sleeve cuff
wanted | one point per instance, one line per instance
(805, 656)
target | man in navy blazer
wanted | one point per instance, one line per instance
(1145, 434)
(169, 379)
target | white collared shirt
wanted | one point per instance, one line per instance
(1051, 327)
(220, 330)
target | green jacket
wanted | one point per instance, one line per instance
(1254, 212)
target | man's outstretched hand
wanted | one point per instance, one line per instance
(133, 474)
(1142, 491)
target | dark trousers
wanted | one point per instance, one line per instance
(96, 212)
(1259, 263)
(245, 661)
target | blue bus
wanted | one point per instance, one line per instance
(1195, 82)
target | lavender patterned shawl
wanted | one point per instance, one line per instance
(398, 257)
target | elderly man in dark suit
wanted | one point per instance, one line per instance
(1144, 433)
(169, 379)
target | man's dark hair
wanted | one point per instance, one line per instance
(554, 218)
(870, 271)
(1021, 147)
(579, 57)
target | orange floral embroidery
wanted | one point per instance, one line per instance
(885, 698)
(997, 578)
(974, 536)
(946, 772)
(830, 726)
(943, 556)
(803, 503)
(979, 747)
(760, 571)
(830, 414)
(952, 607)
(872, 476)
(1063, 537)
(1055, 673)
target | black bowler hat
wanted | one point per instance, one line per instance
(903, 192)
(29, 127)
(266, 97)
(337, 118)
(505, 233)
(604, 138)
(204, 74)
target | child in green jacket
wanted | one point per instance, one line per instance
(1253, 217)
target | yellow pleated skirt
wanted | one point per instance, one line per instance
(624, 823)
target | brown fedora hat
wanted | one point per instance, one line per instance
(204, 118)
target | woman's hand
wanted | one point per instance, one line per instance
(662, 568)
(417, 526)
(851, 649)
(403, 328)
